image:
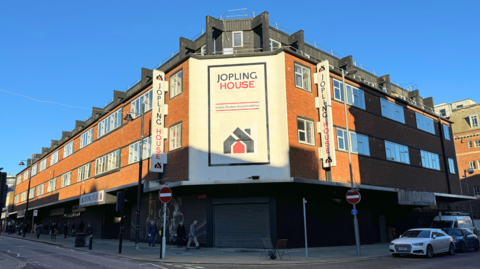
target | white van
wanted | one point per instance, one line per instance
(441, 222)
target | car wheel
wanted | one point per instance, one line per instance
(477, 246)
(396, 255)
(463, 247)
(451, 249)
(429, 251)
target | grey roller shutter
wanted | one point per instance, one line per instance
(241, 225)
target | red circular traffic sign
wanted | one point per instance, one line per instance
(353, 197)
(165, 194)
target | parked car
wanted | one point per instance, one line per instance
(422, 242)
(464, 239)
(453, 221)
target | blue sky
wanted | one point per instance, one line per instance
(77, 52)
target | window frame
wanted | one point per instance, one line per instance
(388, 110)
(49, 187)
(32, 192)
(66, 177)
(43, 164)
(470, 119)
(233, 39)
(360, 94)
(54, 158)
(25, 175)
(85, 136)
(147, 98)
(476, 143)
(451, 165)
(68, 148)
(400, 153)
(470, 144)
(19, 179)
(34, 170)
(23, 197)
(305, 122)
(474, 165)
(106, 123)
(350, 135)
(430, 160)
(443, 112)
(446, 131)
(170, 137)
(16, 198)
(40, 188)
(105, 162)
(425, 123)
(309, 86)
(171, 92)
(274, 41)
(81, 172)
(134, 150)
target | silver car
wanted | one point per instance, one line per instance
(422, 242)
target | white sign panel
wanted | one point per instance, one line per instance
(158, 159)
(35, 213)
(325, 111)
(238, 115)
(92, 198)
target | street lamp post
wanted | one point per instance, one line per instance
(28, 191)
(470, 171)
(355, 220)
(128, 118)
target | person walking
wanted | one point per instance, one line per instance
(65, 230)
(20, 228)
(38, 230)
(192, 235)
(152, 232)
(53, 232)
(34, 230)
(180, 234)
(89, 232)
(73, 229)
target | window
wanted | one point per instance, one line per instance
(359, 144)
(476, 190)
(446, 132)
(473, 120)
(83, 172)
(472, 165)
(451, 165)
(459, 106)
(86, 138)
(107, 162)
(176, 82)
(34, 170)
(16, 199)
(109, 123)
(341, 142)
(443, 112)
(66, 179)
(19, 179)
(302, 78)
(31, 193)
(54, 158)
(470, 144)
(396, 152)
(355, 97)
(392, 111)
(238, 39)
(430, 160)
(68, 150)
(134, 150)
(136, 105)
(305, 131)
(25, 175)
(477, 143)
(40, 189)
(52, 185)
(43, 164)
(175, 137)
(424, 123)
(203, 50)
(274, 45)
(24, 196)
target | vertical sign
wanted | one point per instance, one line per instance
(325, 112)
(158, 105)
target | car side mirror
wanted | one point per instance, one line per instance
(400, 236)
(434, 236)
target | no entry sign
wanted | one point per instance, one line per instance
(353, 197)
(165, 194)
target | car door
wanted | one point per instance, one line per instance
(445, 241)
(469, 238)
(436, 242)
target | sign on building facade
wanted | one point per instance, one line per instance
(325, 127)
(160, 86)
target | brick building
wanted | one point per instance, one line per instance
(466, 132)
(243, 115)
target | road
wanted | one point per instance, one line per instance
(39, 256)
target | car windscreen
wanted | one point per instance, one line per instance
(442, 224)
(454, 232)
(416, 234)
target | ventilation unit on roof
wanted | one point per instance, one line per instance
(403, 98)
(413, 101)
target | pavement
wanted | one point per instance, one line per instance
(234, 256)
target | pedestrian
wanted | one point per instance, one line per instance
(38, 230)
(89, 232)
(65, 230)
(25, 229)
(180, 234)
(73, 229)
(20, 228)
(34, 231)
(53, 232)
(81, 226)
(152, 232)
(192, 235)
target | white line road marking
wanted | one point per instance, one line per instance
(177, 265)
(199, 267)
(154, 265)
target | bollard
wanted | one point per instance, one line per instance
(91, 242)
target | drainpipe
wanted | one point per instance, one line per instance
(445, 158)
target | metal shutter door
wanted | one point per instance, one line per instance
(241, 225)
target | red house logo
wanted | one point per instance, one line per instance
(159, 77)
(239, 142)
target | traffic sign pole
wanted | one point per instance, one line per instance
(165, 195)
(164, 241)
(305, 226)
(354, 197)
